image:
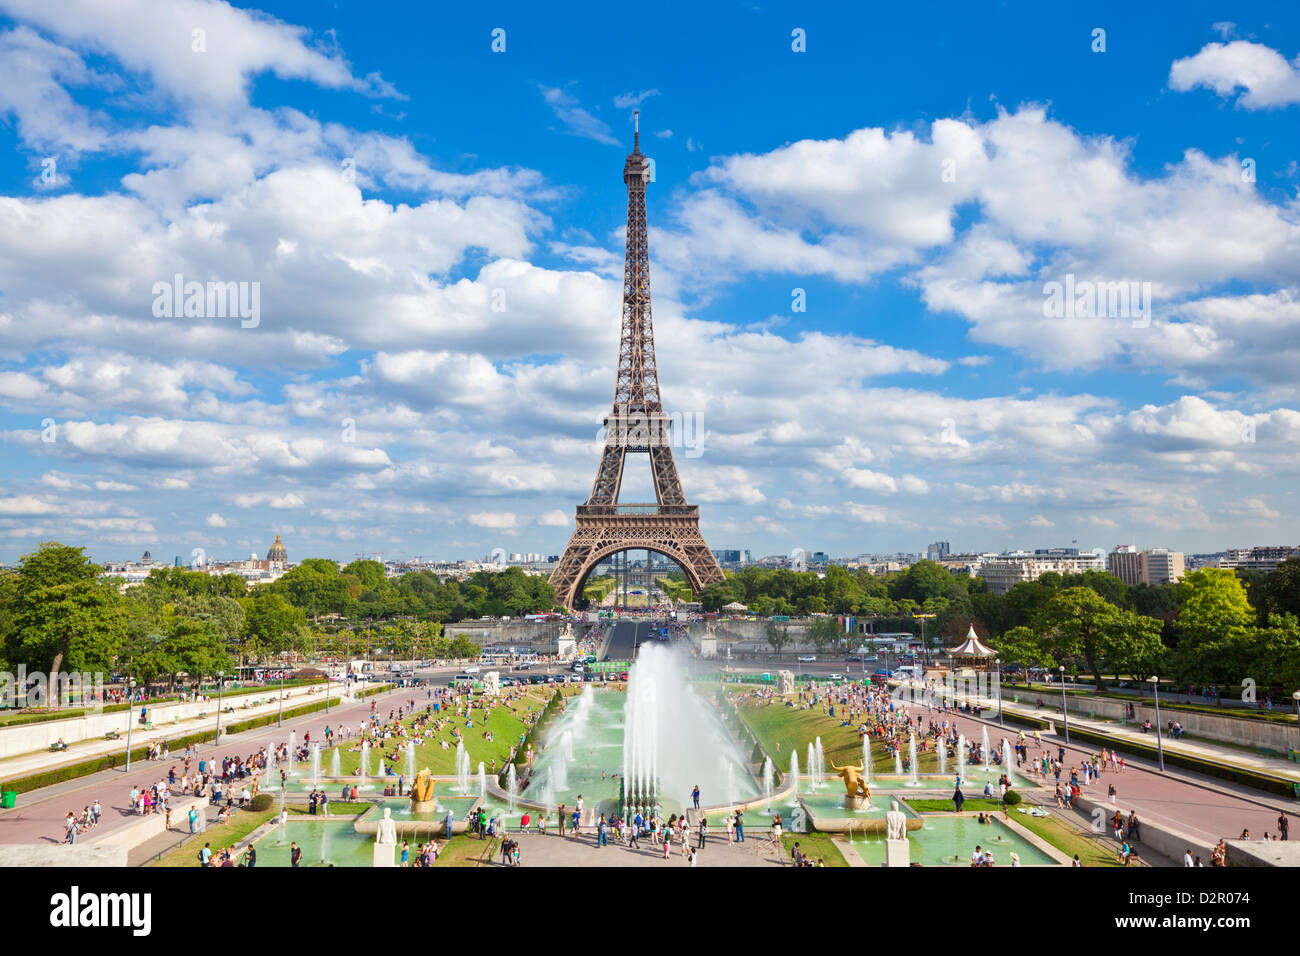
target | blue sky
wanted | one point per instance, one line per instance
(380, 173)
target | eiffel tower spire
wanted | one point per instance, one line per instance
(636, 424)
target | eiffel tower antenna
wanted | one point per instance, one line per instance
(604, 526)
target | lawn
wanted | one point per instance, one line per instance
(1068, 840)
(816, 845)
(468, 851)
(505, 724)
(778, 727)
(971, 805)
(219, 835)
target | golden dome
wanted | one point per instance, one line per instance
(277, 552)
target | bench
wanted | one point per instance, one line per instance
(112, 735)
(1268, 751)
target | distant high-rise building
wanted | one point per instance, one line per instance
(1153, 566)
(1257, 559)
(938, 551)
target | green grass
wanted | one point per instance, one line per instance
(337, 808)
(468, 851)
(505, 726)
(219, 835)
(816, 845)
(972, 805)
(1068, 840)
(778, 728)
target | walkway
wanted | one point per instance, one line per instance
(38, 818)
(554, 850)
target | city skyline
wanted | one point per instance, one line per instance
(854, 286)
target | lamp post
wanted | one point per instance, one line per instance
(1160, 747)
(999, 662)
(1065, 709)
(279, 717)
(130, 719)
(220, 685)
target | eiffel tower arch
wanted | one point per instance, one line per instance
(637, 424)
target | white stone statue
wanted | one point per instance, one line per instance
(387, 835)
(895, 823)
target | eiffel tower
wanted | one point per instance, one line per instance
(669, 526)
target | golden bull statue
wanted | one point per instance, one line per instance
(422, 787)
(854, 785)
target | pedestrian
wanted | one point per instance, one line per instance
(704, 829)
(695, 796)
(1284, 826)
(740, 827)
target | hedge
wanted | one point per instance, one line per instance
(111, 761)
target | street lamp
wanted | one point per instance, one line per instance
(220, 684)
(999, 689)
(279, 717)
(1296, 697)
(1160, 747)
(130, 719)
(1065, 710)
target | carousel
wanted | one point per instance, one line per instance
(972, 654)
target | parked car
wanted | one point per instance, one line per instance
(837, 677)
(808, 659)
(471, 669)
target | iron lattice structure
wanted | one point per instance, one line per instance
(670, 526)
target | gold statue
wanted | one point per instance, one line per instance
(855, 787)
(422, 787)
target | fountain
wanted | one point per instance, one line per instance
(558, 775)
(913, 780)
(813, 782)
(673, 740)
(866, 758)
(941, 747)
(898, 761)
(315, 766)
(566, 745)
(731, 784)
(482, 780)
(293, 748)
(271, 779)
(984, 745)
(512, 786)
(767, 782)
(1006, 757)
(462, 768)
(364, 769)
(961, 757)
(819, 768)
(336, 769)
(284, 816)
(410, 760)
(794, 776)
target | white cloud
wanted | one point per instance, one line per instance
(1262, 72)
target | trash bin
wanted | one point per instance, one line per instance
(8, 799)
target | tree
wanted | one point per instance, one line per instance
(777, 636)
(1214, 607)
(64, 612)
(1079, 623)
